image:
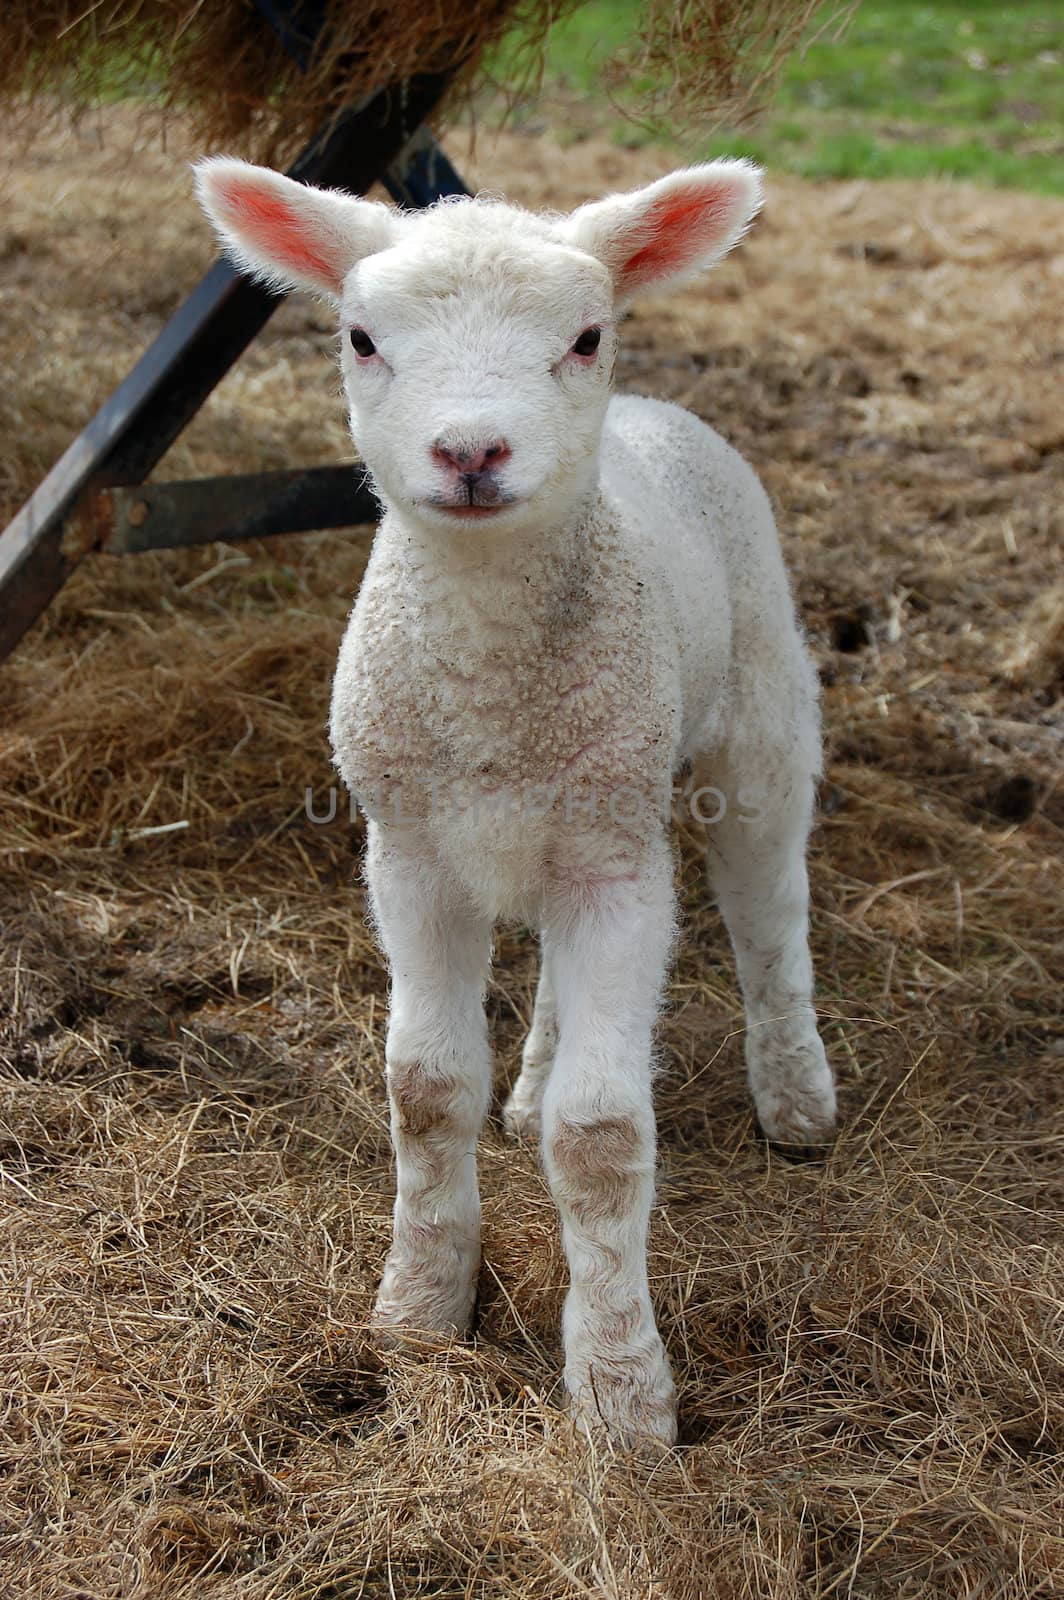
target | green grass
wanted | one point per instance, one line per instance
(945, 88)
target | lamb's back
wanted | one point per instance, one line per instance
(700, 517)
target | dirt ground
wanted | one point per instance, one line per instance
(193, 1129)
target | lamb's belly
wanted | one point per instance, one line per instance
(498, 854)
(512, 858)
(528, 828)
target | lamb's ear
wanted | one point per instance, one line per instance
(654, 237)
(287, 233)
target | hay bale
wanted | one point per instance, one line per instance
(220, 62)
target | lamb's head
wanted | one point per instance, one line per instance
(478, 339)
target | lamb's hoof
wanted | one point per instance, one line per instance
(423, 1304)
(522, 1120)
(798, 1122)
(795, 1098)
(632, 1402)
(397, 1328)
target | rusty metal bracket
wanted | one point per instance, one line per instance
(258, 505)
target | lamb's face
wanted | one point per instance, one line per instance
(478, 339)
(477, 356)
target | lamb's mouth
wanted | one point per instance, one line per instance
(466, 510)
(471, 513)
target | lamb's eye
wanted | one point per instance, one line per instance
(588, 342)
(361, 343)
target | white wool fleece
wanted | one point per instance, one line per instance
(572, 599)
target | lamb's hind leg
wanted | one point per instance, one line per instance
(757, 865)
(522, 1112)
(439, 1080)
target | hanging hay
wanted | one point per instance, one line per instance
(707, 63)
(219, 60)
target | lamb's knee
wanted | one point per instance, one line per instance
(599, 1166)
(426, 1103)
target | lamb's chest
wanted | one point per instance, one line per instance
(450, 704)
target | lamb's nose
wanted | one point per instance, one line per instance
(471, 459)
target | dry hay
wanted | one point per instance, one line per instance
(193, 1119)
(218, 61)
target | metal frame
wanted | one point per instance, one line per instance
(164, 516)
(83, 504)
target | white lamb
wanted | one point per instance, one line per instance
(572, 598)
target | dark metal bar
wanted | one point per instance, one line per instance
(422, 174)
(57, 527)
(162, 516)
(298, 24)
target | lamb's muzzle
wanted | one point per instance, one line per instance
(470, 461)
(520, 698)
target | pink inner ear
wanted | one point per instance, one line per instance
(276, 231)
(680, 225)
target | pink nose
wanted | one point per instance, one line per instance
(465, 460)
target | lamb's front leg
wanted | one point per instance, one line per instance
(439, 1082)
(610, 945)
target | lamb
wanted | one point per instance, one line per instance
(572, 598)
